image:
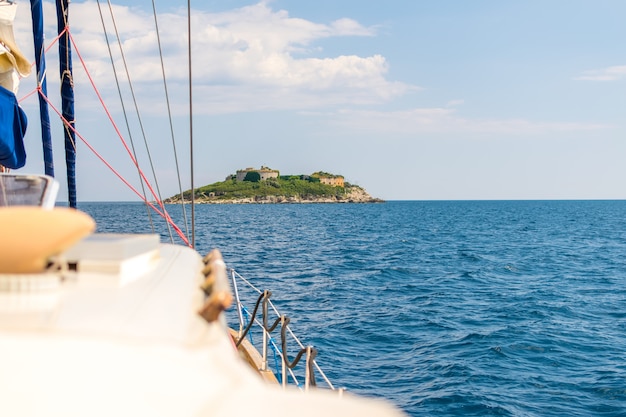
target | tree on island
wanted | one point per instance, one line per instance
(252, 176)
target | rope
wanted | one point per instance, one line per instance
(256, 308)
(163, 213)
(169, 114)
(119, 92)
(139, 119)
(284, 320)
(91, 148)
(283, 342)
(272, 343)
(313, 367)
(245, 310)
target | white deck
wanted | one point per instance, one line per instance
(158, 306)
(97, 348)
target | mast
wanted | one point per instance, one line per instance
(36, 12)
(67, 97)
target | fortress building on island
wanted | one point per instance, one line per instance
(265, 173)
(335, 182)
(329, 179)
(267, 186)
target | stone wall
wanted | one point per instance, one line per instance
(264, 172)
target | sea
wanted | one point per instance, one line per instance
(443, 308)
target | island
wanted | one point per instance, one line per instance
(266, 185)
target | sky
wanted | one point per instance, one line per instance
(411, 100)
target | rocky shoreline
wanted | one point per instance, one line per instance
(353, 195)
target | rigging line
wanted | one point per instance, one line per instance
(163, 214)
(54, 41)
(117, 131)
(30, 93)
(32, 64)
(145, 139)
(109, 116)
(133, 189)
(169, 113)
(193, 191)
(130, 136)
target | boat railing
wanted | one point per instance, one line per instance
(263, 324)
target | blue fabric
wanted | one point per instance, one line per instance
(36, 10)
(12, 129)
(67, 98)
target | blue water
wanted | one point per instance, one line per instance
(508, 308)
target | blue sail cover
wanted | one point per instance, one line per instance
(12, 129)
(36, 12)
(67, 98)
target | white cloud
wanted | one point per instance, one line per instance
(446, 120)
(612, 73)
(244, 59)
(348, 27)
(455, 103)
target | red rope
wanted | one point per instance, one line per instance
(163, 212)
(117, 131)
(28, 95)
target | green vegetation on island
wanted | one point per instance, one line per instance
(257, 186)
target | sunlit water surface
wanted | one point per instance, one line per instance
(444, 308)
